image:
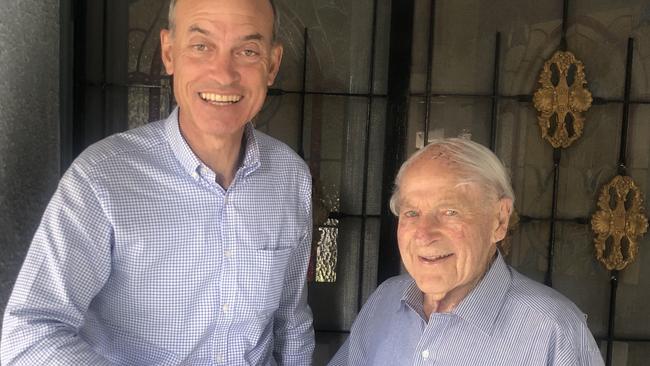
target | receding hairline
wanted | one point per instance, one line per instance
(172, 14)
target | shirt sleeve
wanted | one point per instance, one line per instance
(67, 264)
(575, 346)
(293, 330)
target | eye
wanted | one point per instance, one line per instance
(450, 212)
(249, 53)
(200, 47)
(411, 213)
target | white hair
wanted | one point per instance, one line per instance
(475, 162)
(172, 11)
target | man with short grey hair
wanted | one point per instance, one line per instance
(460, 303)
(185, 241)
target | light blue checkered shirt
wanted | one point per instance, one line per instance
(142, 259)
(507, 320)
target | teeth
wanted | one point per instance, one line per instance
(433, 258)
(212, 97)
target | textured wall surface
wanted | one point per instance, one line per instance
(29, 126)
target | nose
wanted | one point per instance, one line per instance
(223, 69)
(426, 229)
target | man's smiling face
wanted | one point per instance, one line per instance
(223, 59)
(448, 229)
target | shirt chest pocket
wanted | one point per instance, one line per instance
(260, 278)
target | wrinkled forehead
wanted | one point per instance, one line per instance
(437, 172)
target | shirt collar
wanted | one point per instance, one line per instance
(481, 306)
(192, 164)
(413, 298)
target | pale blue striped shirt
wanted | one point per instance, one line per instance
(507, 319)
(141, 258)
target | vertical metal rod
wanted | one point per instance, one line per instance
(612, 313)
(366, 155)
(397, 107)
(622, 157)
(301, 147)
(622, 167)
(495, 93)
(565, 16)
(104, 74)
(427, 113)
(67, 85)
(557, 157)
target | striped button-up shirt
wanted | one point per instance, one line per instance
(141, 258)
(507, 319)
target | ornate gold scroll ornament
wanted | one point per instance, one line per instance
(561, 99)
(619, 223)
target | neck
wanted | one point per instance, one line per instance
(222, 154)
(446, 303)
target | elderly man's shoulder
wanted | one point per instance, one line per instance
(545, 302)
(391, 291)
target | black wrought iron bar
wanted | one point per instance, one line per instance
(366, 157)
(565, 15)
(622, 167)
(273, 92)
(557, 157)
(577, 220)
(104, 71)
(520, 98)
(427, 112)
(301, 148)
(279, 92)
(613, 283)
(397, 107)
(495, 93)
(602, 101)
(336, 215)
(622, 157)
(624, 339)
(524, 98)
(66, 85)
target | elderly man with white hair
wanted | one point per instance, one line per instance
(460, 303)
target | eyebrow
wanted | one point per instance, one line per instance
(251, 37)
(196, 29)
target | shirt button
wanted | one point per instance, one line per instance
(219, 358)
(225, 308)
(227, 253)
(425, 354)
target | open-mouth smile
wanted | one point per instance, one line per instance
(433, 259)
(220, 99)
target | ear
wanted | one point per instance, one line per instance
(503, 218)
(274, 66)
(166, 42)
